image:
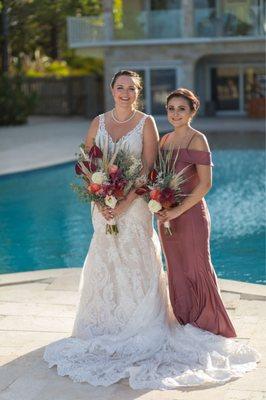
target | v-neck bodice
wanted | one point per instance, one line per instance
(132, 140)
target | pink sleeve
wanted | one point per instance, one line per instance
(199, 157)
(203, 158)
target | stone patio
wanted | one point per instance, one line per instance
(37, 308)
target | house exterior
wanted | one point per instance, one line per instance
(214, 47)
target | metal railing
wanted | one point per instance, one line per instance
(85, 30)
(209, 23)
(145, 25)
(164, 24)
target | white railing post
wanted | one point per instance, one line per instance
(108, 19)
(187, 18)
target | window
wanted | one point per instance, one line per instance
(165, 4)
(254, 84)
(232, 87)
(163, 81)
(225, 88)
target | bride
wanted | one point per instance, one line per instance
(124, 327)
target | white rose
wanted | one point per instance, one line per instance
(98, 177)
(154, 206)
(110, 201)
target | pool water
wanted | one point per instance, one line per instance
(43, 225)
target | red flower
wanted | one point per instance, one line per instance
(78, 169)
(87, 164)
(94, 187)
(167, 197)
(142, 190)
(95, 152)
(166, 204)
(120, 184)
(155, 194)
(115, 175)
(107, 189)
(90, 166)
(153, 175)
(118, 193)
(112, 169)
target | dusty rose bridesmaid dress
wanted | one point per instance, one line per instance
(194, 293)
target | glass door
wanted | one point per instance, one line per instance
(225, 88)
(254, 83)
(162, 82)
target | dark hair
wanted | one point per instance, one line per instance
(131, 74)
(188, 95)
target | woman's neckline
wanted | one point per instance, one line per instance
(126, 134)
(185, 148)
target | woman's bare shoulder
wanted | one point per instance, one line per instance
(199, 141)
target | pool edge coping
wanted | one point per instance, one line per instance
(246, 290)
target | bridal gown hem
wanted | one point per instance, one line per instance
(124, 326)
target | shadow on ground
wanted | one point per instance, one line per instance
(28, 377)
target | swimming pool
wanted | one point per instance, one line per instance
(43, 225)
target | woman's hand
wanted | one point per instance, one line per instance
(106, 212)
(121, 208)
(167, 215)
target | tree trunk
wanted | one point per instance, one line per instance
(54, 42)
(4, 46)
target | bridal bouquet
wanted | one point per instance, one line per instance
(107, 177)
(162, 188)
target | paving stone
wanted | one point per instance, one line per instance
(53, 310)
(231, 300)
(28, 276)
(21, 293)
(35, 314)
(245, 326)
(248, 291)
(244, 395)
(251, 381)
(70, 282)
(251, 308)
(33, 323)
(28, 338)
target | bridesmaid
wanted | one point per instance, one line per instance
(194, 292)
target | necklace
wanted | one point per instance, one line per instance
(122, 122)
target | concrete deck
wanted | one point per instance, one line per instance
(47, 141)
(37, 308)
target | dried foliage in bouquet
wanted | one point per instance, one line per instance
(107, 176)
(163, 186)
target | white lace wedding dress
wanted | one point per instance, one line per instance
(124, 327)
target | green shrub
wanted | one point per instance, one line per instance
(15, 104)
(72, 66)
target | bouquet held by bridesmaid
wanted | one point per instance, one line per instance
(163, 186)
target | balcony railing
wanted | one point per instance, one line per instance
(151, 25)
(85, 30)
(145, 25)
(208, 23)
(165, 24)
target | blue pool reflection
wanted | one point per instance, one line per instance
(43, 225)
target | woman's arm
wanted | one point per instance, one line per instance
(150, 144)
(92, 132)
(150, 150)
(149, 153)
(202, 188)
